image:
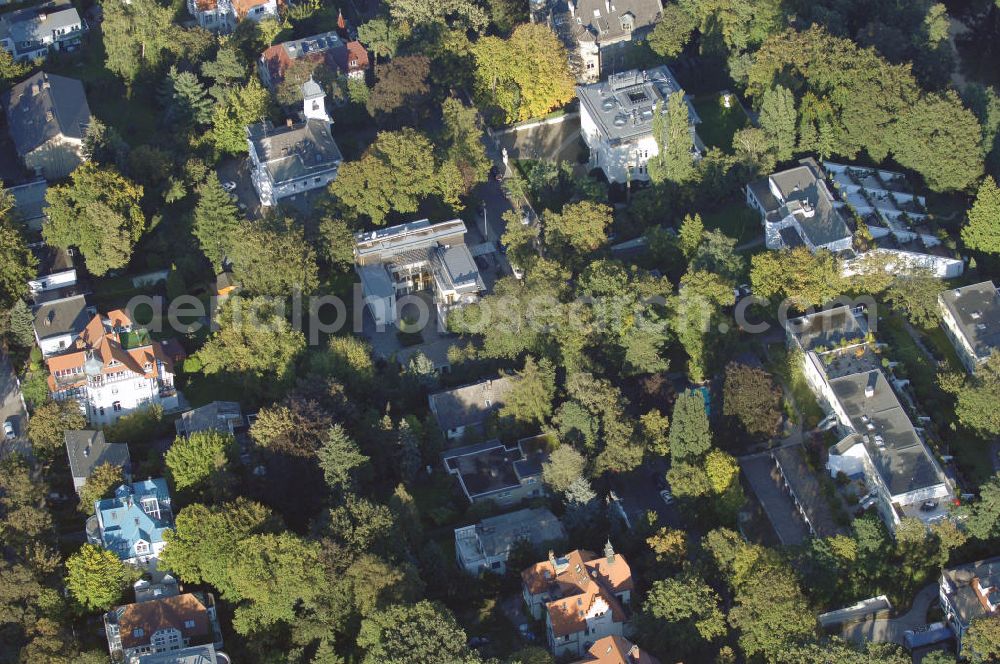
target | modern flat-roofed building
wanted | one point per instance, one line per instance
(492, 471)
(971, 317)
(841, 364)
(616, 120)
(30, 204)
(468, 406)
(485, 546)
(221, 416)
(412, 257)
(55, 276)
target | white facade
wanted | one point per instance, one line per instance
(223, 15)
(29, 34)
(616, 121)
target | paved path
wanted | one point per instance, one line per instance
(12, 406)
(887, 630)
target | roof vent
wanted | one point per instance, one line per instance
(976, 315)
(620, 120)
(608, 104)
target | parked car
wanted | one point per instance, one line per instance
(229, 185)
(668, 498)
(8, 429)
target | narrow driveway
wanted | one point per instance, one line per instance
(892, 629)
(12, 408)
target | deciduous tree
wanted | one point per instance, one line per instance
(198, 459)
(750, 396)
(981, 642)
(563, 467)
(690, 436)
(98, 212)
(982, 231)
(529, 401)
(420, 632)
(104, 479)
(580, 227)
(96, 577)
(803, 277)
(50, 422)
(672, 31)
(402, 85)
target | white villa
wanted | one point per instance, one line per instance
(111, 367)
(879, 444)
(485, 546)
(616, 120)
(823, 207)
(297, 157)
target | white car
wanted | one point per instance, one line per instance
(668, 498)
(229, 185)
(8, 430)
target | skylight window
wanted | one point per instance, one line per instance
(638, 97)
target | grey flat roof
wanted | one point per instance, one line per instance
(204, 654)
(294, 152)
(790, 236)
(87, 450)
(457, 269)
(214, 416)
(51, 260)
(29, 202)
(903, 460)
(469, 405)
(66, 316)
(44, 106)
(385, 243)
(976, 309)
(804, 184)
(623, 106)
(807, 489)
(499, 533)
(827, 328)
(484, 468)
(376, 281)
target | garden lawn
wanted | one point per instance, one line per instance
(718, 123)
(735, 220)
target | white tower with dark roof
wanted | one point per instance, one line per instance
(314, 101)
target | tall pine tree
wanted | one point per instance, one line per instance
(690, 437)
(983, 230)
(777, 119)
(185, 100)
(215, 219)
(672, 132)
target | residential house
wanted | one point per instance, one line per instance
(28, 34)
(616, 120)
(30, 204)
(112, 368)
(87, 450)
(856, 212)
(491, 471)
(298, 157)
(582, 597)
(969, 592)
(165, 625)
(203, 654)
(879, 444)
(346, 58)
(467, 407)
(970, 316)
(47, 117)
(132, 523)
(616, 650)
(413, 257)
(58, 323)
(598, 33)
(55, 275)
(223, 15)
(221, 416)
(486, 546)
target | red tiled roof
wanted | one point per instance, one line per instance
(616, 650)
(138, 622)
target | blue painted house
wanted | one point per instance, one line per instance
(132, 524)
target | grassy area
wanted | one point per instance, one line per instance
(718, 123)
(798, 396)
(201, 389)
(735, 220)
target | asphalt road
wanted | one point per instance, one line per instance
(12, 407)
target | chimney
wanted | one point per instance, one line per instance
(572, 7)
(35, 89)
(609, 553)
(552, 559)
(288, 123)
(633, 653)
(608, 6)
